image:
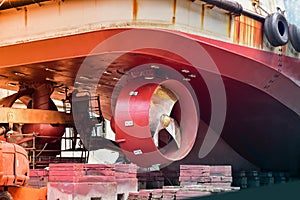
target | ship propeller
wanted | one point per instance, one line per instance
(162, 103)
(151, 127)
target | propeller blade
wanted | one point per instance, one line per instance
(174, 130)
(162, 103)
(155, 137)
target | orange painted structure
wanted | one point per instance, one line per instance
(14, 165)
(26, 193)
(14, 175)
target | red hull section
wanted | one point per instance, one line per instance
(248, 97)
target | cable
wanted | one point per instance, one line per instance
(46, 144)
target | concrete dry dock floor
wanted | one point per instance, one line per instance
(283, 191)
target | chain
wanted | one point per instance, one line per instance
(279, 69)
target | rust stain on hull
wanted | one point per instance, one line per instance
(258, 34)
(202, 16)
(237, 23)
(174, 11)
(25, 16)
(134, 9)
(248, 31)
(59, 7)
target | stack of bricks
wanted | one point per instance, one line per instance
(219, 176)
(90, 181)
(38, 178)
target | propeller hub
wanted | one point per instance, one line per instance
(165, 120)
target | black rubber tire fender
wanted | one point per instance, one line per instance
(276, 29)
(294, 35)
(4, 195)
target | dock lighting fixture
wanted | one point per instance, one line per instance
(19, 74)
(12, 84)
(86, 77)
(185, 71)
(155, 67)
(52, 70)
(107, 72)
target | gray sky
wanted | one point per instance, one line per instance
(292, 11)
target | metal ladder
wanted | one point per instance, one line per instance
(92, 110)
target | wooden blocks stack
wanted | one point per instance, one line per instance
(195, 181)
(205, 175)
(125, 171)
(194, 174)
(91, 181)
(157, 194)
(81, 181)
(70, 172)
(190, 193)
(169, 192)
(144, 195)
(178, 192)
(134, 196)
(221, 175)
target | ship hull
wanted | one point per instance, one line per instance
(258, 122)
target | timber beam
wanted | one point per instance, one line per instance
(34, 116)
